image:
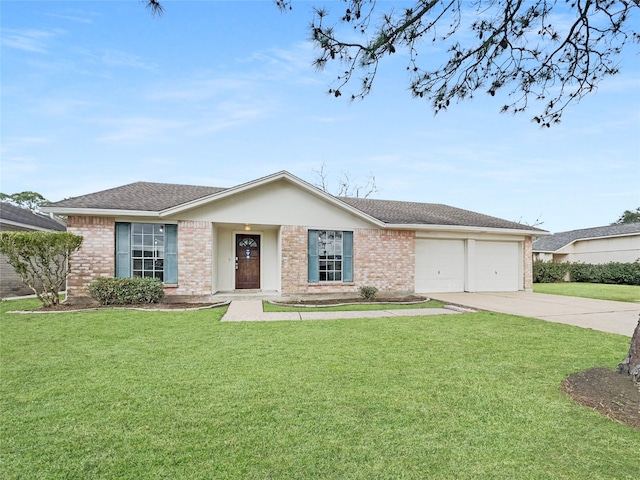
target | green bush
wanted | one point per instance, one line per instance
(41, 259)
(126, 291)
(368, 292)
(549, 272)
(615, 273)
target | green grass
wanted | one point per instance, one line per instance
(619, 293)
(180, 395)
(269, 307)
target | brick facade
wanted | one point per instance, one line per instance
(383, 259)
(528, 265)
(96, 256)
(195, 267)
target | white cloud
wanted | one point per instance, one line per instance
(117, 58)
(29, 40)
(142, 129)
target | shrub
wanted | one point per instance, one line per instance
(126, 291)
(368, 292)
(549, 272)
(613, 273)
(41, 259)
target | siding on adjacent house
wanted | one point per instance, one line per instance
(11, 285)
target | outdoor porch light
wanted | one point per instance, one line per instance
(247, 227)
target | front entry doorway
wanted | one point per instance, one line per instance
(247, 261)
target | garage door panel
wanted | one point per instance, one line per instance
(439, 265)
(497, 266)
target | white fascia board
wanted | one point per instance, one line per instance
(462, 228)
(100, 212)
(264, 181)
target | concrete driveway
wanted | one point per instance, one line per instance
(603, 315)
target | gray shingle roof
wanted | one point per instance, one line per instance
(27, 218)
(155, 197)
(144, 196)
(559, 240)
(396, 212)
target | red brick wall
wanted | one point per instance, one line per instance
(528, 264)
(383, 259)
(96, 256)
(195, 250)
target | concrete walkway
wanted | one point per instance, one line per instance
(603, 315)
(251, 310)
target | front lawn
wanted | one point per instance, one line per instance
(619, 293)
(179, 395)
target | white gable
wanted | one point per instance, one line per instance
(279, 202)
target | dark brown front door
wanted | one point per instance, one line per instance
(247, 261)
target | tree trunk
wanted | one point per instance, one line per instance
(631, 364)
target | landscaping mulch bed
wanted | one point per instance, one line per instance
(608, 392)
(343, 301)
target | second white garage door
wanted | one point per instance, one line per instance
(439, 266)
(497, 266)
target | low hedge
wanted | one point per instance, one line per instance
(550, 272)
(616, 273)
(126, 291)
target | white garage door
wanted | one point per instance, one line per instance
(497, 266)
(439, 266)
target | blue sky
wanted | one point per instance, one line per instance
(100, 94)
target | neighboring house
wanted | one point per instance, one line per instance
(281, 234)
(613, 243)
(14, 218)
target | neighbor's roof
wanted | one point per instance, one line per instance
(559, 240)
(162, 197)
(13, 216)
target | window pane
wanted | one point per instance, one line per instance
(147, 252)
(330, 249)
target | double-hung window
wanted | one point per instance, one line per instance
(330, 256)
(147, 250)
